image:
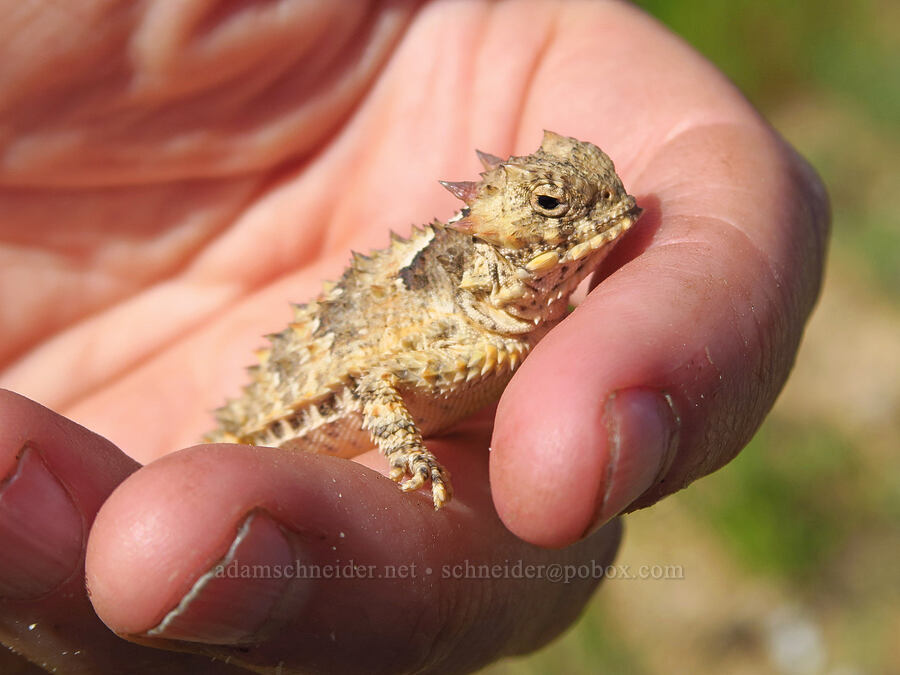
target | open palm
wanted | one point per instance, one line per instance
(174, 175)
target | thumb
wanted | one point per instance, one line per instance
(313, 563)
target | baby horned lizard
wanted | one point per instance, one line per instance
(432, 328)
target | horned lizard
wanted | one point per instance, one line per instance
(432, 328)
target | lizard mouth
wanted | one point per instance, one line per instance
(603, 232)
(606, 231)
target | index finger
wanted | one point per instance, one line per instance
(671, 363)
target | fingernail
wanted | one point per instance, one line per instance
(642, 430)
(245, 596)
(41, 530)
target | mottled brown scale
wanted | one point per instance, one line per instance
(421, 334)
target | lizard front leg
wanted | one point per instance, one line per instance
(394, 431)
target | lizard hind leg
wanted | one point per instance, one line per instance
(394, 431)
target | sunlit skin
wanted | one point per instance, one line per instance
(173, 174)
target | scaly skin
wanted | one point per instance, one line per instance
(432, 328)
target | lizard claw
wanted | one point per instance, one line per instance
(420, 469)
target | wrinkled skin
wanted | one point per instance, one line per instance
(173, 173)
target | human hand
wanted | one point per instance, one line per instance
(174, 175)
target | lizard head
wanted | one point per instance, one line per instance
(545, 211)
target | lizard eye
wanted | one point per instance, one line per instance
(549, 200)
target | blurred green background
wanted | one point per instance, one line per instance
(791, 554)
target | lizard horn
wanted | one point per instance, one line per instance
(488, 161)
(464, 189)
